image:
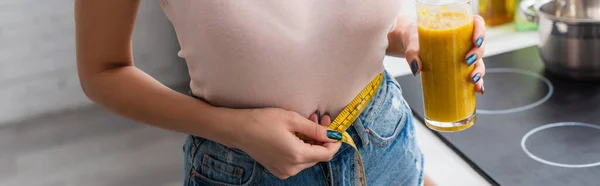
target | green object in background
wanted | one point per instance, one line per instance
(521, 24)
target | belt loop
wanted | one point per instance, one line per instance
(361, 131)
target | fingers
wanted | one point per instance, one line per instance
(315, 131)
(414, 61)
(478, 31)
(479, 68)
(479, 41)
(310, 155)
(307, 156)
(474, 55)
(479, 87)
(314, 118)
(326, 141)
(477, 75)
(320, 153)
(325, 120)
(412, 51)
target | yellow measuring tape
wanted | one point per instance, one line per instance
(350, 113)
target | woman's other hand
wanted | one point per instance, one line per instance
(473, 57)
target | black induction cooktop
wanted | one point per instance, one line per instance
(533, 127)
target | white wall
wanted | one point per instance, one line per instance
(37, 55)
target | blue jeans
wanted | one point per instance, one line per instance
(384, 134)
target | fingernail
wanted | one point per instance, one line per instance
(471, 59)
(479, 41)
(482, 89)
(414, 67)
(334, 135)
(476, 78)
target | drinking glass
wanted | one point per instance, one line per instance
(445, 37)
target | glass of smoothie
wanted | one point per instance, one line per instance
(445, 37)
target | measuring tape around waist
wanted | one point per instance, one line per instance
(349, 114)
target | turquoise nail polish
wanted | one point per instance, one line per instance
(471, 59)
(476, 78)
(334, 135)
(479, 41)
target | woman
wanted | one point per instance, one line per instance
(262, 71)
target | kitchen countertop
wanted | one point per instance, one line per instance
(442, 164)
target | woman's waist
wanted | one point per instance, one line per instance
(329, 95)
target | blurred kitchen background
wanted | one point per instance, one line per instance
(52, 135)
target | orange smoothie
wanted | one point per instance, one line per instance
(448, 94)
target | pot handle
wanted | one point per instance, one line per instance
(525, 10)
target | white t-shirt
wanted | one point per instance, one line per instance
(299, 55)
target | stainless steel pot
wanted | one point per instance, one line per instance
(569, 32)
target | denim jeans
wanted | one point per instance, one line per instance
(384, 134)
